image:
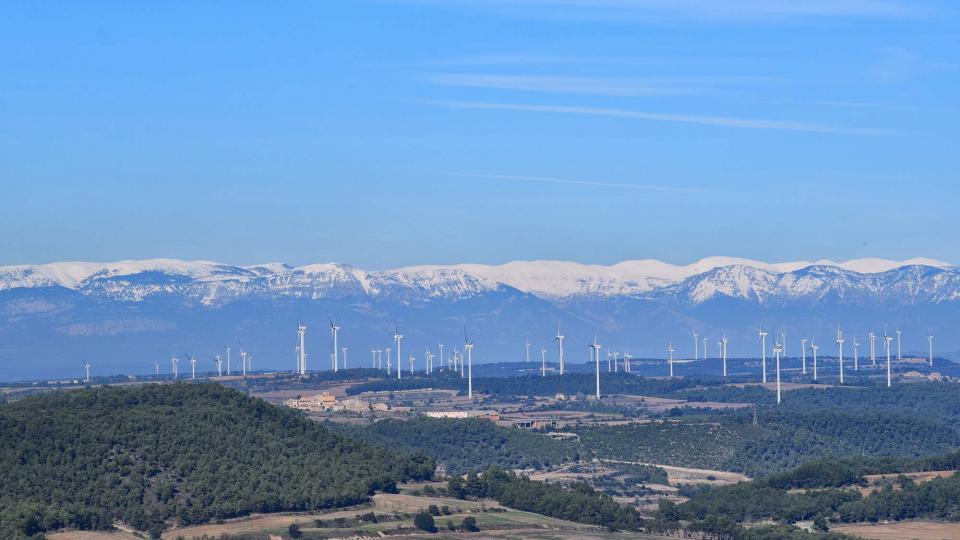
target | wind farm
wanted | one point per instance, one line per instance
(491, 270)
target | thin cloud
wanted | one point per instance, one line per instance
(719, 121)
(567, 181)
(696, 10)
(631, 87)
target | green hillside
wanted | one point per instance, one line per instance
(185, 453)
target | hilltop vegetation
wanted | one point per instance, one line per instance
(184, 453)
(466, 445)
(822, 494)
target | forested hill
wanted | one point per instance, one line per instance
(471, 444)
(186, 453)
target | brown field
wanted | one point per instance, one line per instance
(904, 530)
(89, 535)
(685, 475)
(918, 477)
(508, 524)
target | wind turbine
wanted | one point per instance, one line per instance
(86, 366)
(696, 345)
(887, 339)
(704, 347)
(173, 362)
(428, 358)
(777, 349)
(228, 361)
(440, 347)
(626, 362)
(763, 353)
(344, 349)
(156, 367)
(930, 346)
(873, 348)
(468, 346)
(840, 341)
(856, 359)
(373, 357)
(243, 358)
(724, 341)
(559, 340)
(249, 362)
(335, 330)
(814, 347)
(301, 348)
(616, 361)
(193, 367)
(899, 356)
(543, 362)
(803, 355)
(397, 337)
(783, 343)
(526, 343)
(670, 360)
(413, 360)
(596, 347)
(216, 360)
(389, 358)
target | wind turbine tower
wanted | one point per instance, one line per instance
(228, 361)
(670, 359)
(219, 362)
(86, 367)
(783, 343)
(763, 353)
(543, 362)
(193, 366)
(468, 347)
(156, 367)
(696, 345)
(840, 341)
(887, 339)
(596, 348)
(899, 356)
(704, 347)
(335, 330)
(930, 346)
(777, 349)
(173, 363)
(856, 349)
(814, 347)
(397, 337)
(803, 356)
(873, 348)
(301, 348)
(440, 356)
(389, 358)
(724, 341)
(559, 340)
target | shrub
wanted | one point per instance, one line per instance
(470, 524)
(424, 522)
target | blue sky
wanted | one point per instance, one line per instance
(388, 133)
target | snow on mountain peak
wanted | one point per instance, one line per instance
(544, 278)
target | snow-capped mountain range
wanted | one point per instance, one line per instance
(127, 314)
(216, 283)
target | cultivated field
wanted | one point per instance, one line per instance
(904, 530)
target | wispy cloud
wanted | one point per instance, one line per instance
(697, 10)
(568, 181)
(720, 121)
(606, 86)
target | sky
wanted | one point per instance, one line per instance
(399, 132)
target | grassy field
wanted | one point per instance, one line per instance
(904, 530)
(493, 520)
